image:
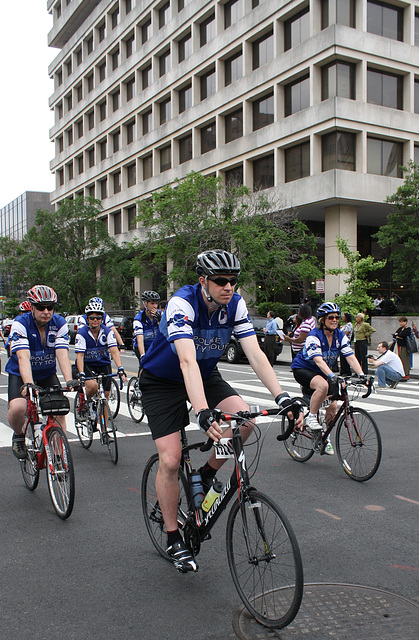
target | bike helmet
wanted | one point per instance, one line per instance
(217, 261)
(326, 308)
(94, 307)
(150, 296)
(25, 306)
(96, 299)
(40, 294)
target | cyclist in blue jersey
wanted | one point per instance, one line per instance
(181, 364)
(38, 340)
(312, 366)
(146, 323)
(95, 343)
(107, 321)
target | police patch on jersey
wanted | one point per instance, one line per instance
(15, 337)
(102, 339)
(222, 315)
(180, 320)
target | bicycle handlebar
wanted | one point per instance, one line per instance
(106, 375)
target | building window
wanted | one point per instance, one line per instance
(233, 177)
(90, 120)
(79, 128)
(147, 166)
(384, 20)
(69, 101)
(338, 12)
(185, 148)
(79, 92)
(79, 56)
(146, 31)
(116, 178)
(69, 136)
(128, 6)
(297, 29)
(102, 149)
(58, 78)
(116, 135)
(115, 59)
(59, 111)
(89, 44)
(185, 47)
(102, 110)
(233, 68)
(60, 177)
(68, 67)
(132, 217)
(417, 28)
(79, 161)
(207, 30)
(131, 175)
(164, 14)
(233, 11)
(129, 46)
(165, 110)
(262, 50)
(115, 18)
(59, 144)
(164, 63)
(130, 131)
(146, 76)
(90, 157)
(385, 89)
(103, 188)
(263, 172)
(69, 169)
(89, 82)
(207, 82)
(208, 138)
(147, 121)
(297, 95)
(101, 30)
(233, 125)
(416, 154)
(165, 158)
(338, 79)
(185, 98)
(116, 100)
(102, 71)
(416, 96)
(263, 111)
(297, 162)
(117, 223)
(384, 157)
(338, 151)
(130, 89)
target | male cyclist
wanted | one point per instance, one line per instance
(107, 321)
(312, 366)
(181, 364)
(94, 343)
(38, 339)
(146, 323)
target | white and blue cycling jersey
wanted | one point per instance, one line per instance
(145, 327)
(24, 334)
(317, 344)
(186, 316)
(95, 350)
(107, 321)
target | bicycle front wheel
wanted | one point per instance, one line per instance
(151, 510)
(82, 423)
(29, 466)
(114, 399)
(108, 431)
(358, 445)
(134, 400)
(299, 444)
(264, 560)
(60, 473)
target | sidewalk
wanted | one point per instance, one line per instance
(284, 359)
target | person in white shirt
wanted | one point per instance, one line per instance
(389, 366)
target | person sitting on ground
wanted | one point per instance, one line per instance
(389, 366)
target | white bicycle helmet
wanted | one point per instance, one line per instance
(41, 294)
(94, 307)
(217, 261)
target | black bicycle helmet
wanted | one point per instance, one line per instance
(150, 296)
(326, 308)
(217, 261)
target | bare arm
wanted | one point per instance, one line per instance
(260, 364)
(64, 363)
(25, 369)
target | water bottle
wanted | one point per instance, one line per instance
(197, 490)
(212, 495)
(322, 417)
(37, 430)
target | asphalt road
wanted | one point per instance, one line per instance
(97, 576)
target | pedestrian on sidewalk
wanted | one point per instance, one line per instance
(400, 336)
(270, 335)
(362, 331)
(307, 323)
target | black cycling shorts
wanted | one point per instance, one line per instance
(305, 376)
(15, 383)
(165, 400)
(103, 368)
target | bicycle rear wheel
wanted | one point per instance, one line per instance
(82, 422)
(114, 399)
(134, 400)
(151, 510)
(29, 466)
(60, 474)
(299, 444)
(264, 560)
(358, 445)
(108, 431)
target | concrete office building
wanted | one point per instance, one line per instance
(315, 99)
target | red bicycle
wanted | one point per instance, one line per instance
(47, 446)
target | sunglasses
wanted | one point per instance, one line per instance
(42, 307)
(223, 281)
(94, 317)
(333, 317)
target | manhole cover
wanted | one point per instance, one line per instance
(340, 612)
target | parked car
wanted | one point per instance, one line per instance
(234, 353)
(124, 326)
(73, 327)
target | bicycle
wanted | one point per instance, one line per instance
(47, 446)
(114, 399)
(95, 415)
(262, 549)
(358, 439)
(134, 400)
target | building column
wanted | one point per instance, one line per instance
(339, 221)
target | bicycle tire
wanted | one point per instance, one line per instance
(114, 399)
(29, 466)
(82, 424)
(270, 582)
(60, 478)
(153, 518)
(108, 430)
(359, 460)
(134, 401)
(299, 445)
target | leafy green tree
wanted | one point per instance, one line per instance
(358, 282)
(11, 307)
(401, 233)
(198, 213)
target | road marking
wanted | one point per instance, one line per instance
(326, 513)
(404, 568)
(374, 507)
(407, 499)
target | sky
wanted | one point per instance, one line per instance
(25, 87)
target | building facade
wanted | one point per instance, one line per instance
(317, 100)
